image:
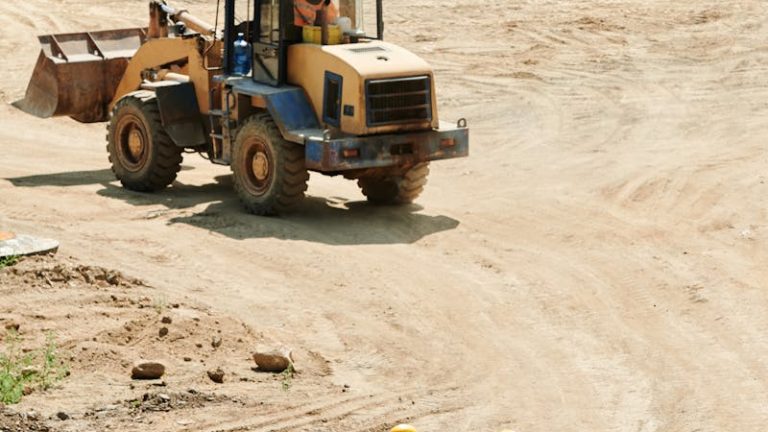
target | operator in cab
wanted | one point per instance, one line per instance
(306, 12)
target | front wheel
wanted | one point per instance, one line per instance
(143, 156)
(270, 175)
(396, 189)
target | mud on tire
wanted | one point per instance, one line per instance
(270, 175)
(143, 156)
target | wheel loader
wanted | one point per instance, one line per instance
(325, 96)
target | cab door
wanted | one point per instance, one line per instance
(274, 21)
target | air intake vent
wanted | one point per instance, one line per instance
(399, 100)
(366, 49)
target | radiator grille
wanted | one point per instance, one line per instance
(399, 100)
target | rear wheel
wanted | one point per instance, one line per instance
(395, 189)
(143, 156)
(270, 175)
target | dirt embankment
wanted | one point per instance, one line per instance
(102, 321)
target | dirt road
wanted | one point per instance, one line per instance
(597, 264)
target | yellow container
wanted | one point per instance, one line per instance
(314, 34)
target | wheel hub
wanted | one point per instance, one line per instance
(135, 143)
(260, 166)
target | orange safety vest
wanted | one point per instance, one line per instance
(305, 13)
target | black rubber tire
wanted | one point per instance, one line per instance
(398, 189)
(158, 161)
(284, 183)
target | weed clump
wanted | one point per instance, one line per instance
(22, 373)
(8, 261)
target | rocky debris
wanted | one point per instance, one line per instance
(147, 370)
(273, 361)
(22, 422)
(61, 415)
(164, 402)
(216, 375)
(66, 273)
(163, 332)
(216, 341)
(166, 320)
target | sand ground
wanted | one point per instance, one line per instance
(597, 264)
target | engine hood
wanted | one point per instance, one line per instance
(379, 59)
(310, 65)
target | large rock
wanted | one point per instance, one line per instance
(147, 370)
(273, 361)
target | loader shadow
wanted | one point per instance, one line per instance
(64, 179)
(319, 220)
(178, 197)
(332, 221)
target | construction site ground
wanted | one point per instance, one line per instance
(597, 264)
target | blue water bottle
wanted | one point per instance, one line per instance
(242, 56)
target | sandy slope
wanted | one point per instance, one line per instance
(597, 264)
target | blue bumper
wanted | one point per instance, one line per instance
(380, 151)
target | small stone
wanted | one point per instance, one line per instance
(61, 415)
(163, 332)
(27, 390)
(147, 370)
(32, 415)
(216, 376)
(216, 341)
(175, 305)
(14, 326)
(113, 278)
(164, 397)
(166, 320)
(199, 345)
(28, 371)
(187, 359)
(273, 361)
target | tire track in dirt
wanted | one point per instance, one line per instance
(333, 409)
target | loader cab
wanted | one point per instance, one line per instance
(270, 28)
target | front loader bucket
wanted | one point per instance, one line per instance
(77, 74)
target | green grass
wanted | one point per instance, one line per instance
(160, 304)
(287, 376)
(36, 370)
(8, 261)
